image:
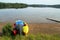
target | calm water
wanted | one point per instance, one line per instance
(30, 15)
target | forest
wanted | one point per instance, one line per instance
(12, 5)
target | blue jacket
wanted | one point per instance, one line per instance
(19, 25)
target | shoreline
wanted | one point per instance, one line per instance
(34, 28)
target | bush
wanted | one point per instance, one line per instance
(7, 29)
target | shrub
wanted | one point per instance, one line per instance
(7, 29)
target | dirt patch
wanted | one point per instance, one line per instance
(44, 28)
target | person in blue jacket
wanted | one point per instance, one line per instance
(18, 26)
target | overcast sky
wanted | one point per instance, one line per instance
(33, 1)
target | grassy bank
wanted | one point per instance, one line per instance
(33, 37)
(38, 36)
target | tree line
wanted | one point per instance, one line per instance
(12, 5)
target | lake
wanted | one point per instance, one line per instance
(30, 15)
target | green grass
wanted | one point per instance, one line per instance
(33, 37)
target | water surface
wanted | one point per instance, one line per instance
(30, 15)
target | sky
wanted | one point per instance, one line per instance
(33, 1)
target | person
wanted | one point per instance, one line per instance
(18, 26)
(25, 29)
